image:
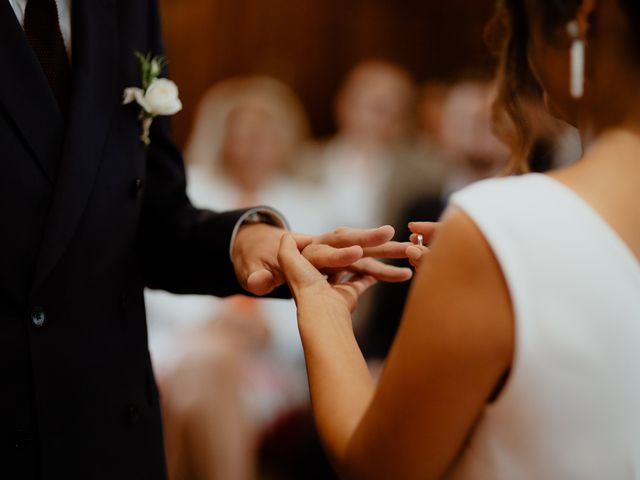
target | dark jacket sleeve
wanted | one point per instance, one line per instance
(183, 249)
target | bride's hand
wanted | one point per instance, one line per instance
(416, 252)
(311, 288)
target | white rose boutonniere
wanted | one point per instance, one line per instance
(158, 96)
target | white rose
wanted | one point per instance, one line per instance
(161, 98)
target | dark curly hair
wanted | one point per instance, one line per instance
(508, 36)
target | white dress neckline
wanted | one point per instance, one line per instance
(605, 226)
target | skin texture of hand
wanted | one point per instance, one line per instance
(307, 284)
(255, 255)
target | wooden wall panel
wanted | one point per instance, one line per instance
(311, 44)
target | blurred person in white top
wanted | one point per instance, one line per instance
(226, 368)
(376, 163)
(473, 150)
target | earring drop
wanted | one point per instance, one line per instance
(577, 60)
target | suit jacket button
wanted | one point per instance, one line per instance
(137, 188)
(20, 439)
(124, 302)
(38, 317)
(132, 415)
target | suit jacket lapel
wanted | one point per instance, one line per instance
(26, 95)
(93, 101)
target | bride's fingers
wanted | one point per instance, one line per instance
(302, 240)
(341, 276)
(388, 250)
(362, 283)
(325, 256)
(345, 237)
(354, 288)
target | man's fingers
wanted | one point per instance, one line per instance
(296, 268)
(346, 237)
(325, 256)
(380, 271)
(302, 240)
(360, 283)
(261, 282)
(388, 250)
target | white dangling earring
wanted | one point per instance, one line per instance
(577, 60)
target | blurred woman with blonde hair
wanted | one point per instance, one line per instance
(227, 368)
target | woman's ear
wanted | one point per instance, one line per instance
(585, 10)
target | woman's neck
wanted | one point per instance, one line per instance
(612, 105)
(616, 147)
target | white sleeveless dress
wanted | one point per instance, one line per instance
(571, 407)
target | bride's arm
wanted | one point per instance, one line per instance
(339, 381)
(454, 344)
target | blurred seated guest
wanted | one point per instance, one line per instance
(375, 163)
(226, 368)
(463, 130)
(518, 353)
(473, 149)
(433, 96)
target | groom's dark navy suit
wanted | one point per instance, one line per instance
(88, 218)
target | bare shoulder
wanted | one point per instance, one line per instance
(460, 241)
(455, 343)
(462, 284)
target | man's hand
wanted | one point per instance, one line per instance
(255, 255)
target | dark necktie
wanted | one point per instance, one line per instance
(42, 27)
